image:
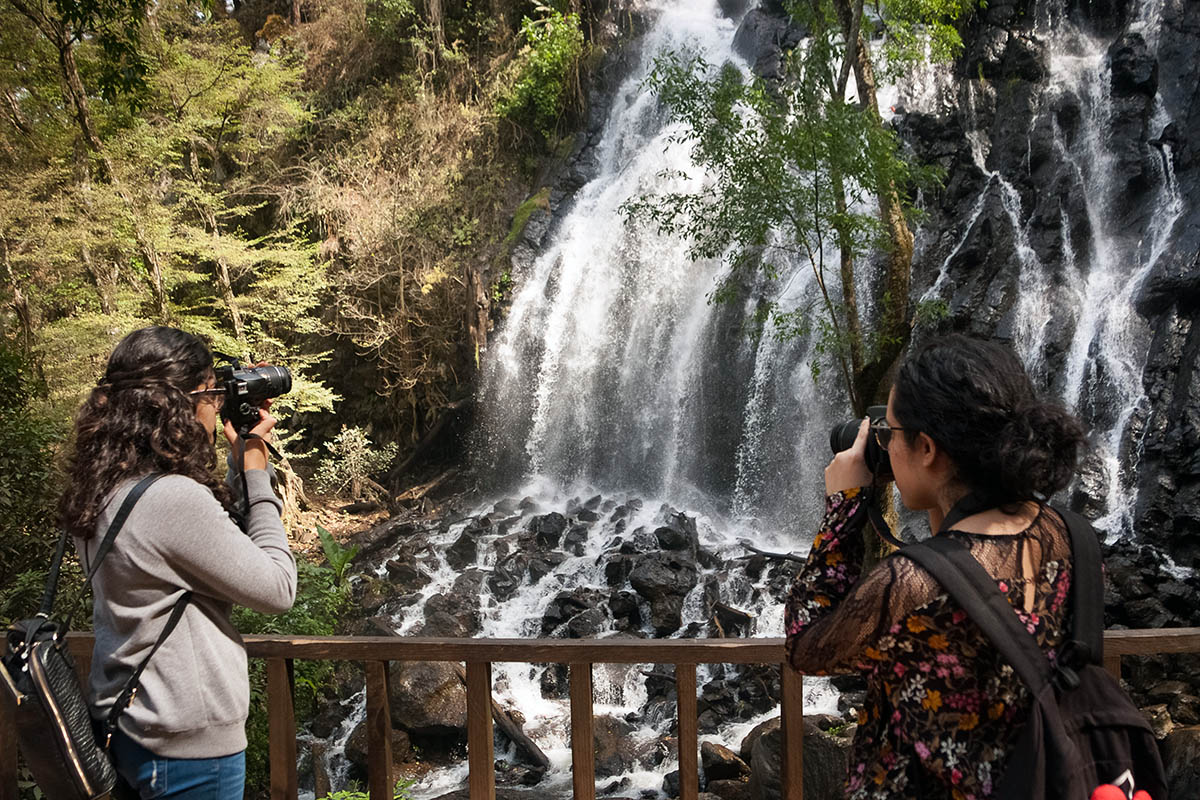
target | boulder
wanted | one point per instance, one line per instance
(565, 605)
(508, 575)
(664, 579)
(721, 763)
(548, 529)
(826, 762)
(428, 698)
(614, 755)
(406, 576)
(587, 624)
(464, 552)
(356, 746)
(1181, 760)
(575, 540)
(729, 789)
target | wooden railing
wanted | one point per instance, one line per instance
(579, 654)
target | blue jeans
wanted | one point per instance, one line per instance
(153, 777)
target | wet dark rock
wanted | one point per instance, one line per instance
(617, 570)
(721, 763)
(763, 37)
(370, 593)
(620, 512)
(565, 605)
(464, 551)
(548, 529)
(587, 515)
(614, 755)
(461, 604)
(506, 507)
(386, 533)
(593, 503)
(623, 606)
(664, 579)
(543, 564)
(826, 761)
(406, 576)
(1134, 67)
(575, 540)
(587, 624)
(508, 575)
(428, 698)
(518, 774)
(730, 789)
(356, 746)
(1181, 760)
(527, 504)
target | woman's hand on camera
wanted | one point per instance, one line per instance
(256, 448)
(848, 469)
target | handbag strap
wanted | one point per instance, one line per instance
(129, 690)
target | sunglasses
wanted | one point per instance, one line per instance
(217, 394)
(883, 434)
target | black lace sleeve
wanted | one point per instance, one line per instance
(834, 613)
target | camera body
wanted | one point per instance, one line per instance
(247, 388)
(843, 435)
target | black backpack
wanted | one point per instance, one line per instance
(1083, 730)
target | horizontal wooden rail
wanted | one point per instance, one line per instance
(479, 654)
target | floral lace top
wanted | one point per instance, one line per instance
(942, 707)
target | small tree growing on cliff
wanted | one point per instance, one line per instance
(796, 165)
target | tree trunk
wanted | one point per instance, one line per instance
(478, 308)
(19, 303)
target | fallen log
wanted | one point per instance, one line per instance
(512, 730)
(782, 556)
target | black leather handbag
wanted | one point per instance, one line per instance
(55, 731)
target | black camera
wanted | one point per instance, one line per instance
(246, 388)
(843, 435)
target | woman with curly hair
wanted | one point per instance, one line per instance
(155, 411)
(942, 707)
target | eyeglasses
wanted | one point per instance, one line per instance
(217, 394)
(883, 434)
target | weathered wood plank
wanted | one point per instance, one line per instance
(482, 774)
(1152, 641)
(689, 767)
(583, 755)
(1112, 663)
(379, 731)
(8, 746)
(601, 651)
(281, 712)
(792, 768)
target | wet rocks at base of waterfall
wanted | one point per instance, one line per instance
(428, 699)
(664, 580)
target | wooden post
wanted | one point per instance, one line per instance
(792, 766)
(8, 746)
(281, 711)
(583, 737)
(379, 731)
(1112, 663)
(689, 767)
(481, 775)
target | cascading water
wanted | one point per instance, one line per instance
(1088, 291)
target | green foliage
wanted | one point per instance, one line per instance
(400, 792)
(339, 557)
(115, 26)
(320, 602)
(538, 86)
(351, 462)
(28, 490)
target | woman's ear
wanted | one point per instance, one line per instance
(926, 450)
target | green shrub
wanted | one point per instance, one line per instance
(352, 460)
(537, 87)
(320, 602)
(354, 793)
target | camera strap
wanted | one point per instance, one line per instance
(240, 447)
(872, 499)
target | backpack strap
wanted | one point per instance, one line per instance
(969, 584)
(1086, 645)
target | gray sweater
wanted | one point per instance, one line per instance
(194, 695)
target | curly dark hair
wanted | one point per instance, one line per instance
(138, 419)
(974, 399)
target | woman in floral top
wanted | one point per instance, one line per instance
(942, 707)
